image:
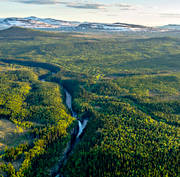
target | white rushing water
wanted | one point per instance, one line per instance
(83, 124)
(68, 100)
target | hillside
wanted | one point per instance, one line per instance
(18, 32)
(125, 87)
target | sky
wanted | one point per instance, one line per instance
(144, 12)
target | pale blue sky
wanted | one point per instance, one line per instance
(146, 12)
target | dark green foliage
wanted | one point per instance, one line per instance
(14, 153)
(128, 87)
(24, 33)
(122, 140)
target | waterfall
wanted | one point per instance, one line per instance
(82, 124)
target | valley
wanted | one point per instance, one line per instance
(124, 90)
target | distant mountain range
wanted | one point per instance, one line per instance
(171, 27)
(50, 24)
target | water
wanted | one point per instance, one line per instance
(81, 127)
(82, 124)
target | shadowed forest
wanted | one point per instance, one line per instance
(128, 86)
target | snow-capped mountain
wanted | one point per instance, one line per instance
(112, 27)
(171, 27)
(34, 22)
(60, 25)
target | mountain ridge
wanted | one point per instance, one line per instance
(49, 24)
(61, 25)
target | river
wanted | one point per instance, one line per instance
(74, 140)
(81, 125)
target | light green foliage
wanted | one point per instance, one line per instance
(128, 87)
(39, 116)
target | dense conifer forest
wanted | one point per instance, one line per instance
(127, 86)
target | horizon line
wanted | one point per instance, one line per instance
(80, 21)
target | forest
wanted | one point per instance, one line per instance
(127, 86)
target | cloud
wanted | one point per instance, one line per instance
(77, 5)
(170, 15)
(39, 2)
(85, 5)
(127, 7)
